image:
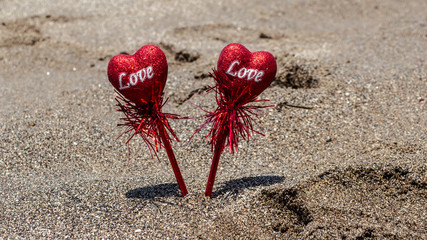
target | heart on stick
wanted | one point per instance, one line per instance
(249, 73)
(140, 77)
(240, 77)
(140, 80)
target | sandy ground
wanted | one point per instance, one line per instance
(350, 164)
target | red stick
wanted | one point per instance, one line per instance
(219, 147)
(172, 159)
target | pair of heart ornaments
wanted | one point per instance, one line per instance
(141, 77)
(240, 77)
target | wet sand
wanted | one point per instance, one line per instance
(345, 147)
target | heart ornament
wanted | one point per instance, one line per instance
(140, 77)
(240, 77)
(253, 72)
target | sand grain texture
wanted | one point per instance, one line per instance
(344, 156)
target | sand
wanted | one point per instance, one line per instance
(345, 147)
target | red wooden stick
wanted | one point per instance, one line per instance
(172, 159)
(152, 125)
(219, 147)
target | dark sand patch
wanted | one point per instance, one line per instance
(179, 56)
(27, 31)
(353, 203)
(295, 72)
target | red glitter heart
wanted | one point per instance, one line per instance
(140, 77)
(140, 80)
(253, 72)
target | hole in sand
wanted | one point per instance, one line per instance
(296, 76)
(185, 56)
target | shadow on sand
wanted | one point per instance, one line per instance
(234, 187)
(156, 191)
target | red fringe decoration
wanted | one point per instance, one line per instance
(142, 120)
(148, 121)
(232, 117)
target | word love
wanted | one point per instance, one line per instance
(243, 73)
(141, 75)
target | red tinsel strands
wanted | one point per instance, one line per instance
(139, 80)
(240, 77)
(144, 120)
(232, 117)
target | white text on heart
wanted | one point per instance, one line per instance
(244, 72)
(141, 75)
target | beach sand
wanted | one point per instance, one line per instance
(345, 147)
